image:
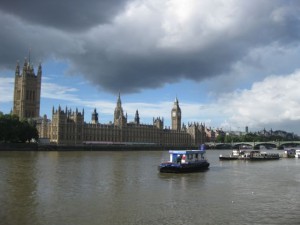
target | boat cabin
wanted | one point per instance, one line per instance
(246, 154)
(185, 156)
(289, 153)
(235, 153)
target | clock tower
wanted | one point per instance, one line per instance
(176, 116)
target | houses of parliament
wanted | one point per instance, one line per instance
(67, 126)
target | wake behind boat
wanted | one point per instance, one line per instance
(185, 161)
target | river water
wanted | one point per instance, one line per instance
(114, 188)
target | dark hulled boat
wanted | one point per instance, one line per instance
(185, 161)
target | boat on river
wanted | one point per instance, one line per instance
(256, 155)
(234, 155)
(185, 161)
(289, 153)
(264, 156)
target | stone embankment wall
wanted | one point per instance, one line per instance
(18, 146)
(55, 147)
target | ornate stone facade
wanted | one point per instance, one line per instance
(27, 91)
(68, 127)
(176, 116)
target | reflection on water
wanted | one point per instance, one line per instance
(18, 188)
(126, 188)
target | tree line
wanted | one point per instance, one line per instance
(13, 130)
(254, 137)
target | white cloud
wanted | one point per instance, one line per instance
(271, 102)
(59, 92)
(194, 24)
(150, 43)
(6, 89)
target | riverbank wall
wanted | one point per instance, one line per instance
(84, 147)
(19, 146)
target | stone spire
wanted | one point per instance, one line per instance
(39, 73)
(119, 119)
(95, 117)
(137, 118)
(119, 103)
(17, 69)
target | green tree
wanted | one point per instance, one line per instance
(220, 139)
(228, 139)
(8, 128)
(13, 130)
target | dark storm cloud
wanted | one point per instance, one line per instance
(64, 14)
(197, 58)
(146, 44)
(132, 74)
(44, 26)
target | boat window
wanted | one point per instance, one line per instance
(179, 157)
(174, 157)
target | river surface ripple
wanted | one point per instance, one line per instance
(114, 188)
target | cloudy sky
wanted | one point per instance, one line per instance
(231, 63)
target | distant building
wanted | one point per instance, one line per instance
(210, 134)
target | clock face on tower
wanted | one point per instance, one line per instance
(173, 113)
(178, 113)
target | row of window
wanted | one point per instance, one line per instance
(30, 95)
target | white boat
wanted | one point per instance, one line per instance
(245, 154)
(289, 153)
(263, 156)
(232, 156)
(297, 153)
(257, 155)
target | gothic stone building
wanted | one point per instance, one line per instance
(27, 91)
(68, 127)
